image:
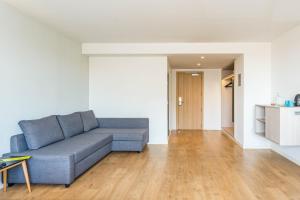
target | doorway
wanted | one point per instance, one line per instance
(189, 97)
(228, 102)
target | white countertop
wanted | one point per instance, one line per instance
(276, 106)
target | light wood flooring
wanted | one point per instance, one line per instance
(229, 130)
(195, 165)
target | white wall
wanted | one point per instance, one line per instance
(285, 77)
(170, 87)
(256, 73)
(131, 87)
(257, 83)
(286, 65)
(227, 104)
(211, 98)
(42, 73)
(239, 130)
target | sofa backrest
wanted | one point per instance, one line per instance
(71, 124)
(123, 122)
(89, 120)
(41, 132)
(49, 130)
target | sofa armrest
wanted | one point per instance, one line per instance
(18, 143)
(45, 169)
(123, 122)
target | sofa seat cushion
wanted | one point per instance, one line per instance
(80, 146)
(123, 134)
(41, 132)
(71, 124)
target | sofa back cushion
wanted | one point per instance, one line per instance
(89, 120)
(71, 124)
(41, 132)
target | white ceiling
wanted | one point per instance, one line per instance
(208, 61)
(166, 20)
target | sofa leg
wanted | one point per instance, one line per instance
(67, 185)
(10, 184)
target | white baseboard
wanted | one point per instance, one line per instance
(277, 150)
(297, 162)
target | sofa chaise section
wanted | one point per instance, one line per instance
(129, 134)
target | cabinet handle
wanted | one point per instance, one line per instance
(297, 113)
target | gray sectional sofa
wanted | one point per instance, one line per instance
(65, 146)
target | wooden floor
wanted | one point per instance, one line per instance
(195, 165)
(229, 130)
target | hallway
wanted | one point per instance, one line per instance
(195, 165)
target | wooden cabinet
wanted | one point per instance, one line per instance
(273, 124)
(281, 124)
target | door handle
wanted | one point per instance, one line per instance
(180, 101)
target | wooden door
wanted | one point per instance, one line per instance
(189, 100)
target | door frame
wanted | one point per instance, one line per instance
(202, 95)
